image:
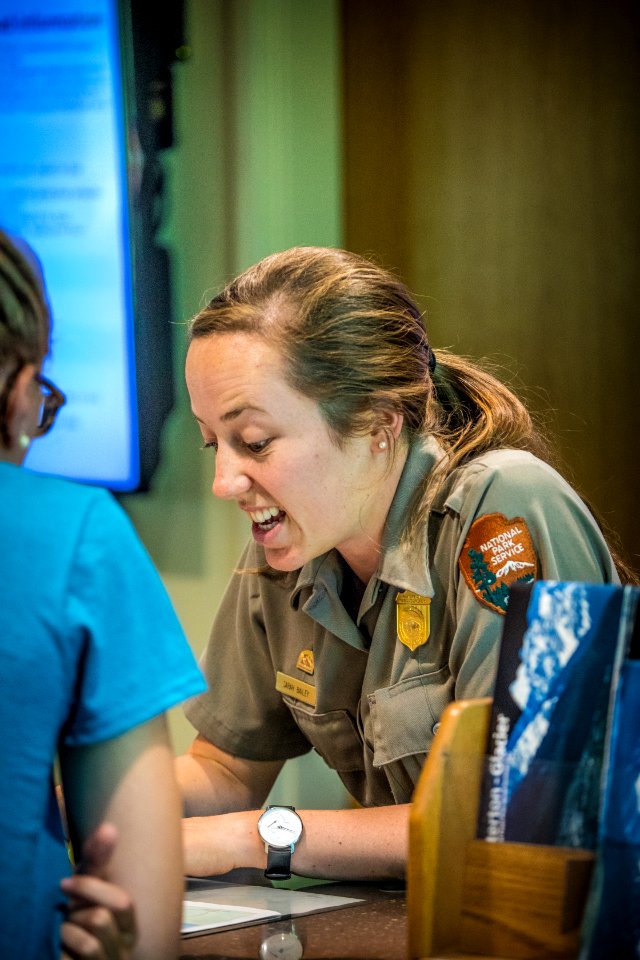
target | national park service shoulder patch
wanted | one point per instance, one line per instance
(496, 553)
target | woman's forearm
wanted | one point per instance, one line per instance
(352, 844)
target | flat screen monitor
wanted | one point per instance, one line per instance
(71, 166)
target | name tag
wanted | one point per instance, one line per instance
(297, 689)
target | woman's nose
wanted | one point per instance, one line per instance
(230, 480)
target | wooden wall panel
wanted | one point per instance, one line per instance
(491, 158)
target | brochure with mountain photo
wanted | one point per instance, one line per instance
(549, 720)
(611, 925)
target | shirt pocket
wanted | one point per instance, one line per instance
(406, 716)
(334, 736)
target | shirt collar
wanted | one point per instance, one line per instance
(402, 566)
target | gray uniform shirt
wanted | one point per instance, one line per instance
(377, 702)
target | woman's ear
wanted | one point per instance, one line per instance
(387, 429)
(22, 411)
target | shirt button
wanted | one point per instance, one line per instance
(435, 728)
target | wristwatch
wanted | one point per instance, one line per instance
(280, 828)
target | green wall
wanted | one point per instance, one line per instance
(256, 168)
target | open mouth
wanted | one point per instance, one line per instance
(267, 518)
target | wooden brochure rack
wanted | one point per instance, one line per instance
(470, 898)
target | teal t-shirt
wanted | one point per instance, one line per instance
(90, 647)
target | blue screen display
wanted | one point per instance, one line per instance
(64, 188)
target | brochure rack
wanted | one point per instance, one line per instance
(471, 898)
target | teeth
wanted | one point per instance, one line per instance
(261, 516)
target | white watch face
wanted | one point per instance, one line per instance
(281, 946)
(280, 827)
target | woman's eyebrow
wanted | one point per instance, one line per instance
(237, 411)
(232, 414)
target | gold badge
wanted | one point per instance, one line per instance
(297, 689)
(412, 619)
(305, 661)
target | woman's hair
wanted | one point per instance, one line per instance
(354, 341)
(24, 318)
(24, 313)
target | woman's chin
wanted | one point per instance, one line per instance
(284, 558)
(279, 560)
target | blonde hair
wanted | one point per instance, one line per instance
(354, 340)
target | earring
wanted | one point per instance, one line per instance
(23, 441)
(382, 445)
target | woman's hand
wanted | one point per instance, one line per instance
(101, 922)
(215, 845)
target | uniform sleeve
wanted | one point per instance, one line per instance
(135, 661)
(241, 711)
(568, 545)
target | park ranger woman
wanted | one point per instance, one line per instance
(394, 496)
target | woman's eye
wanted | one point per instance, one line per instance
(259, 446)
(210, 445)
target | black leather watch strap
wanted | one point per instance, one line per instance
(278, 863)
